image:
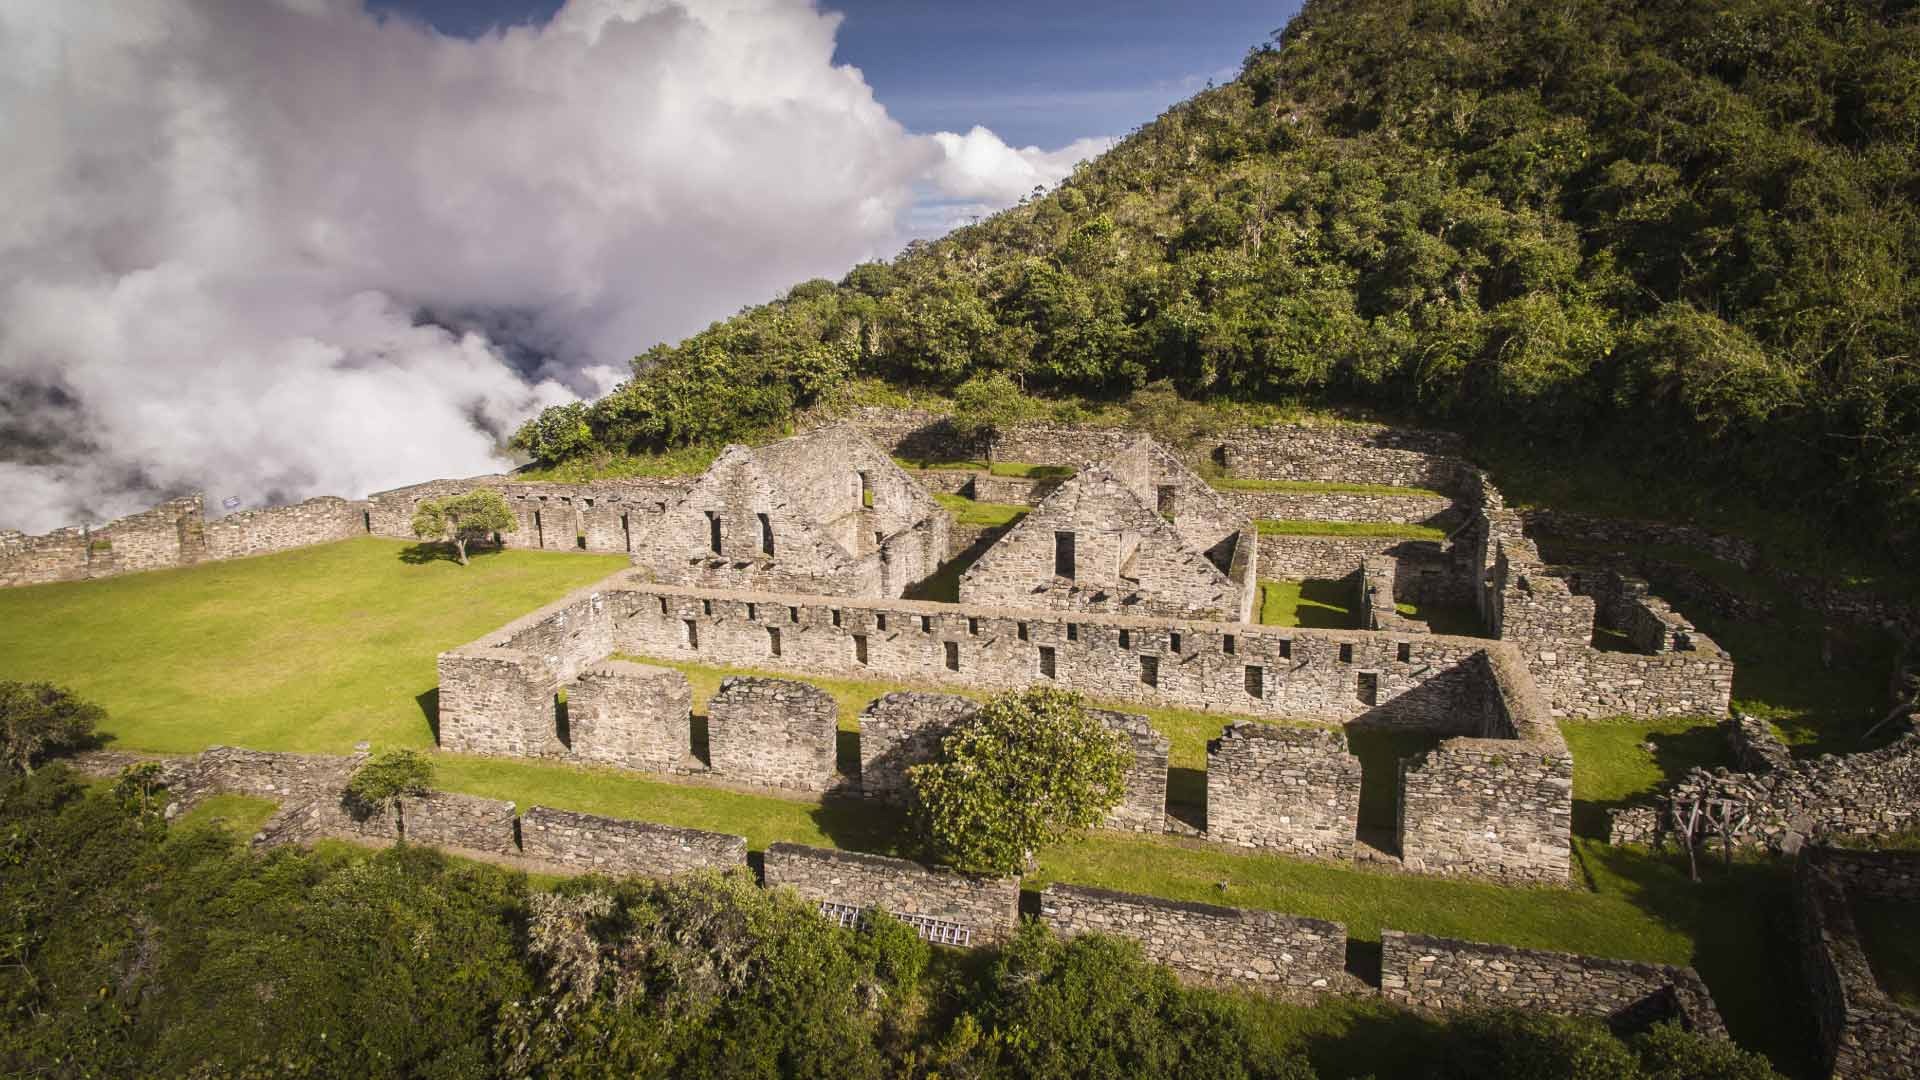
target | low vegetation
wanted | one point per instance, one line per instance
(985, 515)
(39, 720)
(1317, 603)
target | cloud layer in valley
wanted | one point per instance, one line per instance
(279, 248)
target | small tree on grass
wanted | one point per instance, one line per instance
(986, 406)
(381, 784)
(39, 720)
(1025, 769)
(461, 519)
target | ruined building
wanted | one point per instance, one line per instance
(1137, 533)
(824, 512)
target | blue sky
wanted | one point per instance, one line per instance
(1037, 73)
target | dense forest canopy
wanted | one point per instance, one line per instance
(1684, 235)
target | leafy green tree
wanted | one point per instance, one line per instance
(39, 720)
(380, 785)
(988, 405)
(1016, 776)
(463, 519)
(560, 433)
(1670, 1052)
(139, 786)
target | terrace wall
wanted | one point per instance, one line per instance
(1210, 944)
(1443, 973)
(989, 907)
(1864, 1033)
(607, 845)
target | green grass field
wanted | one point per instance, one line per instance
(984, 514)
(311, 650)
(1315, 603)
(1279, 527)
(314, 649)
(1015, 469)
(241, 815)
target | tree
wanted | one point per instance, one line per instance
(987, 405)
(1017, 775)
(462, 519)
(39, 720)
(560, 432)
(380, 784)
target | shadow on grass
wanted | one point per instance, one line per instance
(429, 702)
(1451, 619)
(1380, 751)
(863, 825)
(1742, 923)
(1187, 785)
(1372, 1039)
(1674, 752)
(1326, 604)
(421, 554)
(944, 586)
(846, 754)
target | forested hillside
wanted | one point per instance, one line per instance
(1683, 236)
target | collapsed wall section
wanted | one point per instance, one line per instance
(1289, 789)
(497, 695)
(944, 905)
(1446, 974)
(622, 846)
(1207, 943)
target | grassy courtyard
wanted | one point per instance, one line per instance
(1319, 603)
(318, 648)
(311, 650)
(1389, 529)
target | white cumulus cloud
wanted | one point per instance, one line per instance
(278, 248)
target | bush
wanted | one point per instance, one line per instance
(40, 720)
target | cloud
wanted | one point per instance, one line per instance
(278, 248)
(978, 165)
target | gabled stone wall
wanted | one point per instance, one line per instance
(1210, 944)
(607, 845)
(1447, 974)
(773, 731)
(988, 906)
(1289, 789)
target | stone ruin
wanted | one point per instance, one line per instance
(1864, 1033)
(1136, 533)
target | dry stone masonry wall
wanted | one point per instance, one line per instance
(1289, 789)
(1446, 974)
(633, 716)
(987, 908)
(773, 731)
(607, 845)
(1205, 943)
(1864, 1033)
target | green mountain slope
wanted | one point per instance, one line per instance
(1680, 235)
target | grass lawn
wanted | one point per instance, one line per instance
(312, 649)
(1316, 487)
(1613, 767)
(984, 514)
(1890, 932)
(1019, 469)
(1280, 527)
(1315, 603)
(687, 461)
(241, 815)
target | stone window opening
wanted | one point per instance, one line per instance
(1149, 670)
(1073, 631)
(753, 611)
(1256, 681)
(690, 633)
(880, 621)
(706, 607)
(1229, 644)
(1368, 687)
(1286, 648)
(864, 481)
(626, 531)
(766, 535)
(1166, 497)
(1173, 641)
(663, 605)
(1405, 651)
(1046, 661)
(539, 531)
(860, 649)
(580, 541)
(973, 626)
(713, 530)
(953, 655)
(773, 641)
(367, 519)
(1020, 631)
(793, 614)
(926, 624)
(836, 616)
(562, 723)
(1346, 653)
(1126, 639)
(587, 502)
(1063, 555)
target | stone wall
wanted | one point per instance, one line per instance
(773, 731)
(1786, 802)
(277, 528)
(988, 907)
(1446, 974)
(1378, 576)
(1500, 805)
(1351, 453)
(634, 716)
(1864, 1033)
(1327, 557)
(497, 695)
(1435, 510)
(170, 534)
(1329, 675)
(620, 846)
(1289, 789)
(1210, 944)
